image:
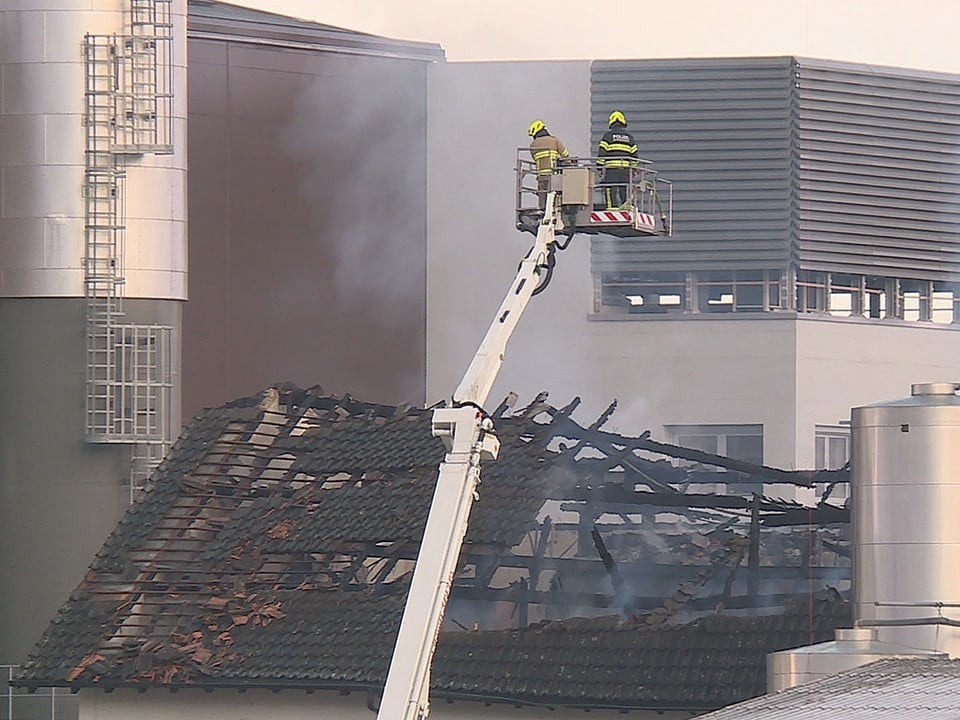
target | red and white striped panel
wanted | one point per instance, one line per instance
(641, 221)
(611, 216)
(646, 222)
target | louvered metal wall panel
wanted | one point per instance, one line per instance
(720, 130)
(836, 167)
(878, 170)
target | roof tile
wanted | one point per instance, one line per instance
(231, 570)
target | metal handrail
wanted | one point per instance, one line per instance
(917, 603)
(647, 192)
(910, 622)
(9, 695)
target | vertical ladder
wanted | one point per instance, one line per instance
(103, 227)
(145, 83)
(142, 390)
(129, 112)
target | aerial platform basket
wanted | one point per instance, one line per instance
(584, 199)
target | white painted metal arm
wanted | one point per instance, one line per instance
(482, 373)
(467, 435)
(464, 431)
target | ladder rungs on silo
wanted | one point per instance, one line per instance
(145, 94)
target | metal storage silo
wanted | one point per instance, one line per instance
(93, 251)
(906, 534)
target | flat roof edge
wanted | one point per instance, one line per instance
(268, 29)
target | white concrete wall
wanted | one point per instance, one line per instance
(694, 370)
(296, 705)
(479, 114)
(842, 364)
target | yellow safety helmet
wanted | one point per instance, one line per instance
(616, 117)
(535, 127)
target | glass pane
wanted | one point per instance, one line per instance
(838, 453)
(841, 304)
(748, 448)
(716, 298)
(911, 306)
(942, 307)
(704, 443)
(749, 297)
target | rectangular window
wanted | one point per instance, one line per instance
(748, 448)
(644, 292)
(715, 292)
(740, 442)
(703, 443)
(832, 447)
(875, 297)
(846, 295)
(915, 297)
(738, 291)
(944, 304)
(832, 451)
(811, 291)
(722, 291)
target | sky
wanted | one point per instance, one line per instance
(919, 34)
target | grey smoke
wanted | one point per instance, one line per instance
(361, 136)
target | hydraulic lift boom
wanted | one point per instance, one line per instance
(467, 434)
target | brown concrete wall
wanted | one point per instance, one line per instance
(307, 212)
(59, 496)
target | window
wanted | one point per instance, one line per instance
(945, 303)
(741, 442)
(915, 295)
(644, 292)
(840, 294)
(875, 297)
(832, 447)
(738, 291)
(811, 291)
(846, 295)
(832, 451)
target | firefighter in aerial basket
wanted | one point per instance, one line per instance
(546, 151)
(617, 156)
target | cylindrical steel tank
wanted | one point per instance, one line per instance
(906, 496)
(60, 496)
(42, 158)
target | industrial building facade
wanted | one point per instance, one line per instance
(307, 208)
(807, 186)
(811, 267)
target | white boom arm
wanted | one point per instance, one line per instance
(467, 435)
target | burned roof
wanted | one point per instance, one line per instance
(606, 662)
(274, 546)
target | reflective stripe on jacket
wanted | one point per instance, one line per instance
(618, 149)
(545, 150)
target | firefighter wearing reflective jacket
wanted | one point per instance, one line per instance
(618, 154)
(546, 150)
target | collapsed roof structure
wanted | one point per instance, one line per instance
(275, 544)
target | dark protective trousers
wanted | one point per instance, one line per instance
(614, 185)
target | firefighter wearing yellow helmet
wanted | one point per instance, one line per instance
(617, 155)
(546, 150)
